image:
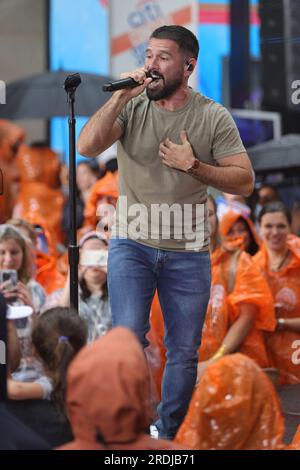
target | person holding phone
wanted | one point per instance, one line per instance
(93, 297)
(17, 286)
(20, 290)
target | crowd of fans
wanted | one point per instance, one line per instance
(108, 393)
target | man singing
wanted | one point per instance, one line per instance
(173, 143)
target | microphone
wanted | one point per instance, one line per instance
(127, 82)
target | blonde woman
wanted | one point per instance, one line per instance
(25, 291)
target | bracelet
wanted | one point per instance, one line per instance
(280, 323)
(220, 352)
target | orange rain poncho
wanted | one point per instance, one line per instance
(230, 218)
(248, 287)
(10, 136)
(156, 345)
(295, 444)
(47, 273)
(285, 287)
(46, 265)
(234, 407)
(108, 396)
(105, 187)
(39, 189)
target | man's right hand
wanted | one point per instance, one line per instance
(139, 75)
(102, 130)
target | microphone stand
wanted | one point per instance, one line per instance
(70, 85)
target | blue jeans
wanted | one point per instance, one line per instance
(182, 279)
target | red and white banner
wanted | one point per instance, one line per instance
(133, 21)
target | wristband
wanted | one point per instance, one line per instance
(220, 352)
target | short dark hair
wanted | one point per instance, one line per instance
(185, 39)
(272, 207)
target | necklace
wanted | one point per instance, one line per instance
(279, 265)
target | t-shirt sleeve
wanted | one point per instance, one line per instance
(226, 137)
(122, 118)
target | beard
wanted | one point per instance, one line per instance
(167, 90)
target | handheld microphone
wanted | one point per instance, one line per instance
(127, 82)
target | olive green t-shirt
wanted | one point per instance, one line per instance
(160, 206)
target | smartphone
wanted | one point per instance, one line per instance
(9, 275)
(94, 258)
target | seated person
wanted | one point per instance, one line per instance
(279, 262)
(108, 396)
(57, 336)
(241, 305)
(234, 407)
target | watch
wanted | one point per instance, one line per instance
(192, 169)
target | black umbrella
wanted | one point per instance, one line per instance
(43, 96)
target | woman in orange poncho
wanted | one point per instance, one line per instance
(279, 261)
(234, 407)
(105, 191)
(108, 400)
(241, 304)
(40, 192)
(235, 225)
(11, 137)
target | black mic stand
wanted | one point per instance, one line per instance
(70, 85)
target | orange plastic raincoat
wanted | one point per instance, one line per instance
(46, 265)
(39, 188)
(249, 287)
(105, 187)
(10, 135)
(230, 218)
(234, 407)
(47, 273)
(285, 286)
(108, 400)
(156, 345)
(295, 444)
